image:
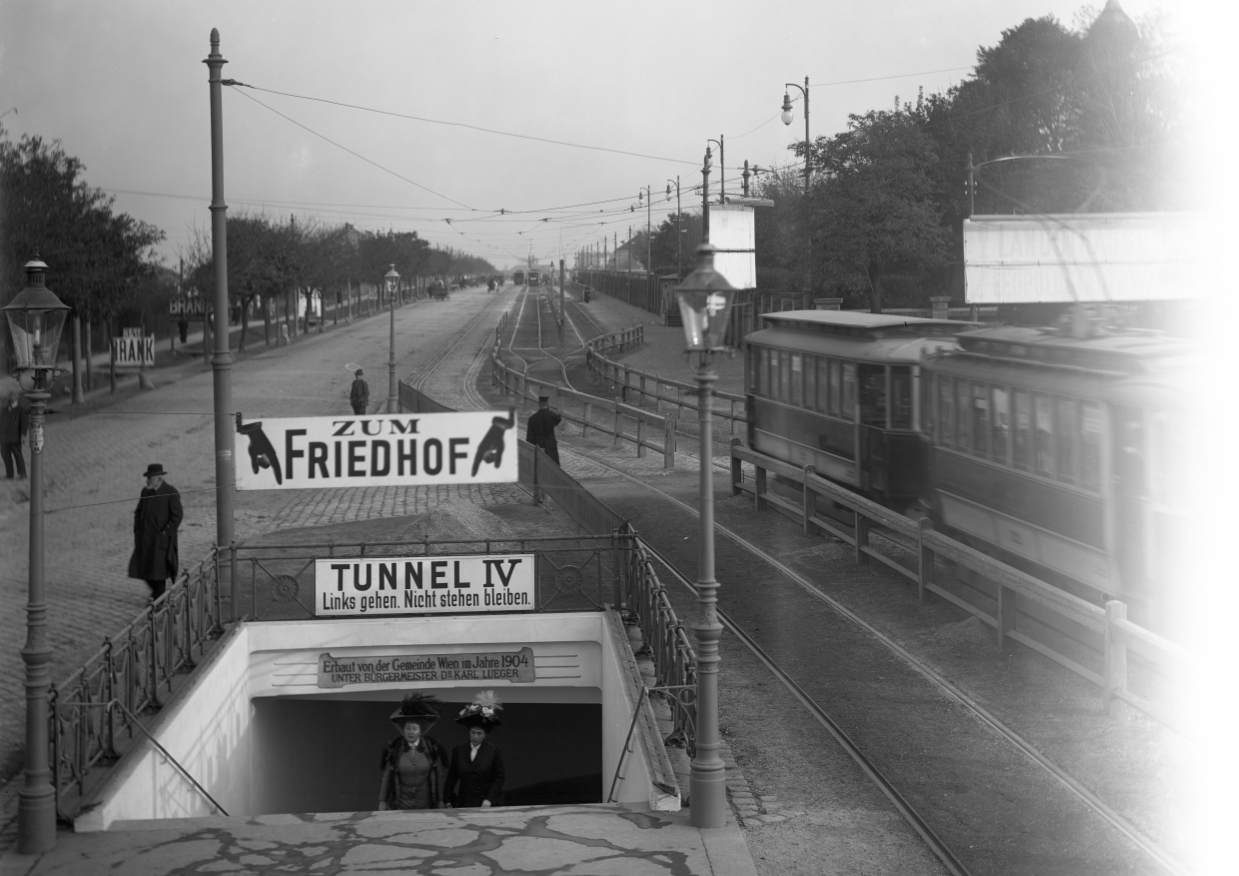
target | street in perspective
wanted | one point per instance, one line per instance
(458, 456)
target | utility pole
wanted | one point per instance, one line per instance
(561, 302)
(705, 197)
(221, 358)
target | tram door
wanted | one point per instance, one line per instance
(1129, 454)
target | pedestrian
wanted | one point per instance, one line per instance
(359, 397)
(475, 772)
(13, 423)
(156, 556)
(414, 761)
(541, 429)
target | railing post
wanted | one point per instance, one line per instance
(641, 380)
(616, 440)
(925, 573)
(1115, 655)
(537, 487)
(232, 585)
(640, 436)
(624, 387)
(808, 505)
(1006, 615)
(862, 536)
(668, 443)
(732, 418)
(737, 469)
(759, 486)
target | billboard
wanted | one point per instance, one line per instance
(471, 584)
(378, 450)
(731, 230)
(1085, 257)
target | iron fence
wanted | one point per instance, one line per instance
(133, 669)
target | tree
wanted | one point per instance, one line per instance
(871, 206)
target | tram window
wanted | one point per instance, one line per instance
(836, 390)
(1000, 424)
(823, 384)
(1090, 445)
(946, 410)
(1044, 451)
(901, 397)
(1023, 430)
(980, 419)
(755, 370)
(797, 379)
(1066, 424)
(785, 375)
(873, 395)
(810, 373)
(1168, 459)
(849, 391)
(962, 407)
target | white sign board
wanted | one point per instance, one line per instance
(133, 352)
(732, 228)
(380, 450)
(1085, 257)
(478, 583)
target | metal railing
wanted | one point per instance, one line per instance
(133, 668)
(1089, 640)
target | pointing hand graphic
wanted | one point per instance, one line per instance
(262, 453)
(491, 448)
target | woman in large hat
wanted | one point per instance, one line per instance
(413, 761)
(475, 772)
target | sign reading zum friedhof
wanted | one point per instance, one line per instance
(514, 666)
(380, 450)
(473, 584)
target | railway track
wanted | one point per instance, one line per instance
(1103, 817)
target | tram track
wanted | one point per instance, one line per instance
(1064, 780)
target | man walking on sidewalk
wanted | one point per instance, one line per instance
(541, 429)
(156, 556)
(12, 430)
(360, 395)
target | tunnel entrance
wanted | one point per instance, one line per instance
(322, 755)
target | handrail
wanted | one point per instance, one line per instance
(133, 719)
(632, 726)
(1104, 631)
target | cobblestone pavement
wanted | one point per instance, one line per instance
(93, 466)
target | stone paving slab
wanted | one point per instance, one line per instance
(597, 840)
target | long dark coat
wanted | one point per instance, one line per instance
(389, 792)
(156, 556)
(540, 431)
(479, 779)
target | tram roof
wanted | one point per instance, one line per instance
(1118, 351)
(864, 324)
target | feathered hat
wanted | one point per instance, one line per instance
(482, 711)
(417, 707)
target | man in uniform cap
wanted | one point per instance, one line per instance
(156, 556)
(541, 429)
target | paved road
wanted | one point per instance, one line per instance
(93, 466)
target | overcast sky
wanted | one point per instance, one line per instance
(122, 86)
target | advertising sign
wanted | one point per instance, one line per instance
(133, 351)
(472, 584)
(192, 306)
(1085, 257)
(732, 232)
(403, 669)
(379, 450)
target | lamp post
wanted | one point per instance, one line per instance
(705, 299)
(722, 168)
(678, 260)
(392, 281)
(787, 117)
(649, 199)
(36, 318)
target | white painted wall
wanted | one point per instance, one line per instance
(208, 728)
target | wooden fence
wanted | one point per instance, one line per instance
(1091, 641)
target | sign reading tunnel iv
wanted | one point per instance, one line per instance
(380, 450)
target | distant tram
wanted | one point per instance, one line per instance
(518, 278)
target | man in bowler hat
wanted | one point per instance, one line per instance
(156, 556)
(359, 397)
(541, 429)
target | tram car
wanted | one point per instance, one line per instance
(838, 390)
(1062, 452)
(518, 278)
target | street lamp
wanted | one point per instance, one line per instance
(35, 318)
(678, 260)
(392, 280)
(787, 117)
(705, 299)
(705, 195)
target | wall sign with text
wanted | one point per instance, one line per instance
(474, 584)
(514, 666)
(379, 450)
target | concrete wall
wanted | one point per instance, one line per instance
(262, 737)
